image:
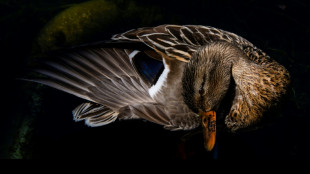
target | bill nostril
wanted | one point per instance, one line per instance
(205, 120)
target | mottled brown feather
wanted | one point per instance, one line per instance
(260, 81)
(203, 63)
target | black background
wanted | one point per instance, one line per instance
(280, 28)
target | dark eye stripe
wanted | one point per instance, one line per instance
(202, 91)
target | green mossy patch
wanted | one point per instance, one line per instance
(77, 23)
(94, 21)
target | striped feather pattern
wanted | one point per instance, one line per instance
(180, 42)
(107, 78)
(269, 78)
(98, 75)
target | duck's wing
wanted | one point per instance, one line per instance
(114, 81)
(180, 42)
(108, 79)
(120, 78)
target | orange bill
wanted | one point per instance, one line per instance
(209, 128)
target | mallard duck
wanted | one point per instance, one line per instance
(180, 77)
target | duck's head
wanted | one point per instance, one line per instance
(206, 80)
(217, 67)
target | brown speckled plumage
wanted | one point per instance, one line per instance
(260, 81)
(201, 67)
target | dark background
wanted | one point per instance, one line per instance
(36, 121)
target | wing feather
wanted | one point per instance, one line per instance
(166, 39)
(107, 75)
(107, 79)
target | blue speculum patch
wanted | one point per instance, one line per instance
(150, 69)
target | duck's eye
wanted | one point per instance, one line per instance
(201, 91)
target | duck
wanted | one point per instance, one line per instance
(178, 76)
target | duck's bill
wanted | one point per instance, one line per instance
(209, 128)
